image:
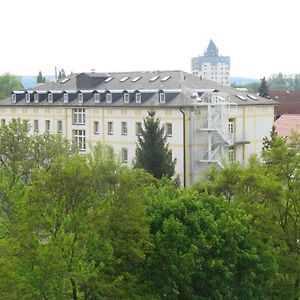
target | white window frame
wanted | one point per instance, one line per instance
(66, 98)
(138, 128)
(50, 97)
(231, 154)
(108, 98)
(126, 98)
(79, 116)
(80, 97)
(36, 97)
(47, 126)
(27, 98)
(97, 98)
(96, 127)
(138, 97)
(36, 125)
(110, 128)
(124, 155)
(13, 98)
(169, 129)
(162, 97)
(80, 139)
(124, 128)
(59, 126)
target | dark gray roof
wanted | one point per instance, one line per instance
(179, 87)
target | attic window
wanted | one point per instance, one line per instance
(138, 97)
(154, 78)
(65, 80)
(126, 98)
(108, 79)
(162, 97)
(136, 78)
(166, 78)
(108, 98)
(124, 79)
(36, 97)
(27, 98)
(80, 97)
(13, 98)
(252, 97)
(66, 97)
(241, 97)
(50, 98)
(97, 98)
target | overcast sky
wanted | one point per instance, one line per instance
(261, 37)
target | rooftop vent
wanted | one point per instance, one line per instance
(154, 78)
(136, 78)
(65, 80)
(124, 79)
(241, 97)
(252, 97)
(166, 78)
(108, 79)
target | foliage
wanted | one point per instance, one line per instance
(61, 74)
(152, 153)
(40, 78)
(263, 90)
(8, 83)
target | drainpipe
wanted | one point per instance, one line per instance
(184, 153)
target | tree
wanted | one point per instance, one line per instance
(264, 89)
(205, 248)
(61, 74)
(8, 83)
(153, 154)
(40, 78)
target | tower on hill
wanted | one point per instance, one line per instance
(212, 66)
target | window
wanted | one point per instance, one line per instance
(124, 155)
(36, 125)
(231, 154)
(13, 98)
(162, 97)
(79, 137)
(231, 127)
(166, 78)
(168, 128)
(2, 122)
(59, 126)
(135, 78)
(108, 98)
(66, 97)
(138, 128)
(50, 98)
(108, 79)
(126, 97)
(80, 97)
(124, 128)
(27, 98)
(36, 97)
(96, 127)
(154, 78)
(110, 129)
(138, 98)
(97, 98)
(124, 79)
(47, 125)
(79, 116)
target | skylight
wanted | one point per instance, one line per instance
(166, 78)
(241, 97)
(124, 79)
(154, 78)
(136, 78)
(65, 80)
(252, 97)
(108, 79)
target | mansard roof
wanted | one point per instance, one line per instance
(179, 86)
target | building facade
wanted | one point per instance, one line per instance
(205, 122)
(211, 66)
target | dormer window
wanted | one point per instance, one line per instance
(126, 97)
(80, 97)
(162, 97)
(108, 98)
(36, 97)
(97, 98)
(27, 98)
(66, 97)
(138, 97)
(13, 98)
(50, 98)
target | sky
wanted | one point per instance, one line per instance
(261, 37)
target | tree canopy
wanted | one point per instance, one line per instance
(263, 90)
(40, 78)
(8, 83)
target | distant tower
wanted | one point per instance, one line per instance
(211, 66)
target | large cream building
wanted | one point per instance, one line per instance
(205, 122)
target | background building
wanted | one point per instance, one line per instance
(205, 122)
(212, 66)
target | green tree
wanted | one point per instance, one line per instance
(40, 78)
(264, 89)
(152, 153)
(205, 248)
(8, 83)
(61, 74)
